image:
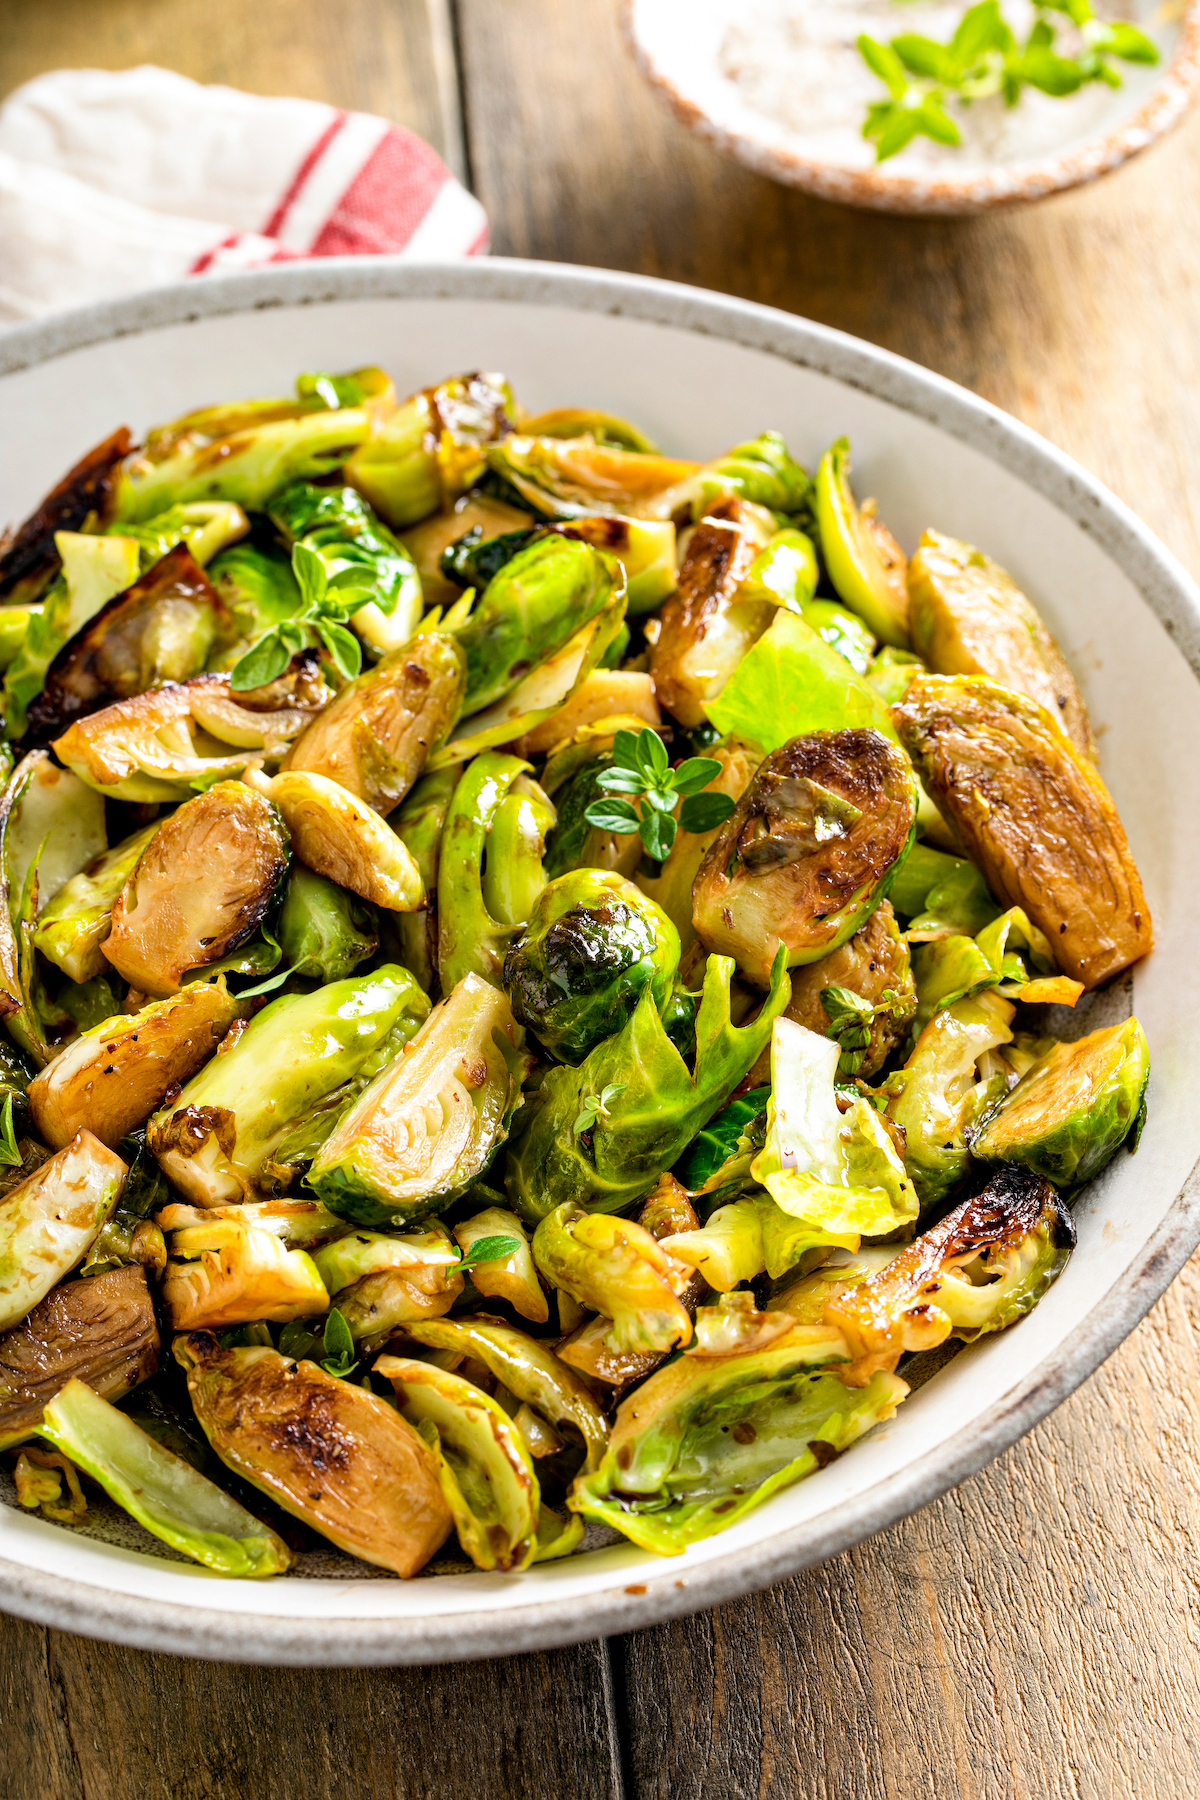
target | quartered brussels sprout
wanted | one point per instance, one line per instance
(865, 563)
(418, 824)
(431, 448)
(346, 535)
(94, 569)
(491, 847)
(208, 878)
(376, 736)
(706, 1439)
(50, 1221)
(983, 1266)
(937, 1097)
(1034, 815)
(256, 1113)
(715, 615)
(324, 930)
(71, 930)
(809, 852)
(510, 1275)
(339, 836)
(430, 1122)
(569, 478)
(329, 1453)
(160, 629)
(223, 1273)
(615, 1267)
(601, 1134)
(967, 616)
(110, 1079)
(486, 1471)
(1070, 1113)
(592, 945)
(30, 559)
(101, 1329)
(604, 701)
(163, 1492)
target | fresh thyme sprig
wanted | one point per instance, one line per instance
(642, 768)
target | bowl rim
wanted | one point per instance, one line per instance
(938, 193)
(658, 1595)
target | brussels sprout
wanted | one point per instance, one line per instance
(512, 870)
(344, 532)
(615, 1267)
(983, 1266)
(204, 528)
(968, 617)
(890, 672)
(865, 564)
(397, 1299)
(937, 894)
(708, 1438)
(208, 878)
(431, 448)
(94, 569)
(592, 945)
(48, 1222)
(439, 543)
(259, 590)
(1035, 816)
(418, 824)
(1070, 1113)
(375, 737)
(252, 1114)
(573, 477)
(936, 1097)
(224, 1273)
(601, 427)
(71, 930)
(470, 939)
(329, 1453)
(484, 1465)
(324, 931)
(29, 557)
(950, 968)
(355, 1254)
(644, 548)
(809, 852)
(714, 617)
(431, 1121)
(606, 700)
(162, 1492)
(101, 1329)
(298, 1223)
(157, 747)
(645, 1105)
(528, 1369)
(509, 1276)
(342, 838)
(843, 631)
(727, 1250)
(109, 1080)
(160, 629)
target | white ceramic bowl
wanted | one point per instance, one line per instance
(680, 47)
(700, 373)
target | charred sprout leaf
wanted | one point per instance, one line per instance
(223, 1272)
(615, 1267)
(94, 569)
(432, 447)
(30, 558)
(641, 767)
(576, 477)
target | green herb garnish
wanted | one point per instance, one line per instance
(642, 767)
(326, 602)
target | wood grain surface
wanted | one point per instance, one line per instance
(1035, 1635)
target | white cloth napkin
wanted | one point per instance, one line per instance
(115, 181)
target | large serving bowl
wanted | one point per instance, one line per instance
(700, 373)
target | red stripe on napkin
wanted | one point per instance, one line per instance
(275, 222)
(387, 199)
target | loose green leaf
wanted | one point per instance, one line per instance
(488, 1249)
(704, 812)
(339, 1358)
(10, 1156)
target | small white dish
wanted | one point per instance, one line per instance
(699, 372)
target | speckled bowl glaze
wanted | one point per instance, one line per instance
(698, 372)
(681, 65)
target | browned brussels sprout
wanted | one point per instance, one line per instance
(706, 627)
(865, 563)
(71, 930)
(29, 558)
(208, 879)
(377, 734)
(50, 1221)
(568, 478)
(328, 1452)
(967, 616)
(1035, 816)
(431, 448)
(433, 537)
(223, 1272)
(809, 853)
(161, 629)
(101, 1329)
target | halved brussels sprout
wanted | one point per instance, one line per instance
(431, 448)
(476, 519)
(329, 1453)
(1035, 816)
(101, 1329)
(29, 558)
(606, 699)
(93, 570)
(528, 1369)
(983, 1266)
(616, 1268)
(346, 535)
(715, 615)
(471, 940)
(247, 1121)
(431, 1121)
(484, 1465)
(592, 945)
(208, 878)
(355, 1254)
(339, 836)
(71, 930)
(109, 1080)
(1070, 1113)
(418, 824)
(225, 1273)
(50, 1221)
(865, 563)
(708, 1438)
(643, 1103)
(568, 478)
(809, 852)
(644, 548)
(162, 628)
(376, 736)
(162, 1492)
(967, 616)
(324, 930)
(511, 1275)
(937, 1097)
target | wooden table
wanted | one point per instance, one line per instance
(1035, 1633)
